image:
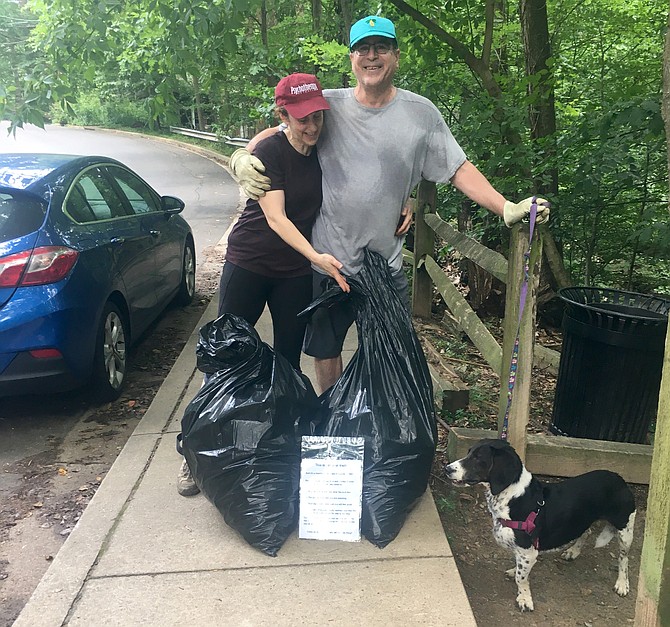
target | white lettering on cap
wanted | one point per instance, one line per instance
(301, 89)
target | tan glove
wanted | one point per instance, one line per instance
(513, 212)
(248, 169)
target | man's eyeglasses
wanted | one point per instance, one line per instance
(380, 48)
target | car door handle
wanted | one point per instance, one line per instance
(118, 240)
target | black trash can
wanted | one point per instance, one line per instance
(611, 363)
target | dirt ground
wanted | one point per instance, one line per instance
(564, 593)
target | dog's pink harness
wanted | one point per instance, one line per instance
(527, 526)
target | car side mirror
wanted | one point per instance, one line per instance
(172, 204)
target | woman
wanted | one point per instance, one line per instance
(269, 252)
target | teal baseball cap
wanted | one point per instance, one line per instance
(371, 26)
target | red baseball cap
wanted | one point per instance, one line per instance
(300, 95)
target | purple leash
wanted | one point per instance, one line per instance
(522, 303)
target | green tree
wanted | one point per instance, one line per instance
(610, 136)
(488, 67)
(18, 97)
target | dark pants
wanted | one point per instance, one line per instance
(246, 293)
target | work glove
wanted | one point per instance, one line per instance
(248, 170)
(513, 212)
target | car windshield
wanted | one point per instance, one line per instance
(20, 214)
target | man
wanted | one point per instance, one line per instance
(378, 142)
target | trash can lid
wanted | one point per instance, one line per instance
(630, 306)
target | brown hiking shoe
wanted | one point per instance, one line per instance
(185, 483)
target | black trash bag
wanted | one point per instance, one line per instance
(241, 432)
(385, 395)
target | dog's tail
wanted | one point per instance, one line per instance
(605, 535)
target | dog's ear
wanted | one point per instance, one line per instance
(506, 467)
(480, 461)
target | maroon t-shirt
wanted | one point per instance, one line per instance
(252, 244)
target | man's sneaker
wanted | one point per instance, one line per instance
(185, 483)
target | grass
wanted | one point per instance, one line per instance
(446, 504)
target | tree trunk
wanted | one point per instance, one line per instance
(666, 93)
(643, 209)
(264, 23)
(555, 262)
(490, 11)
(200, 118)
(316, 15)
(542, 121)
(347, 19)
(542, 113)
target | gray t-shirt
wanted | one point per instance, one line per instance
(371, 160)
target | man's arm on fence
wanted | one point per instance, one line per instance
(469, 180)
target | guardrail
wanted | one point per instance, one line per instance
(212, 137)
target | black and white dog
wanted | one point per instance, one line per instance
(529, 517)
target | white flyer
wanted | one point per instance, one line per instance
(331, 488)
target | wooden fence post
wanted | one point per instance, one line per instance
(424, 244)
(652, 608)
(519, 410)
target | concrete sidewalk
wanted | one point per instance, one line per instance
(143, 555)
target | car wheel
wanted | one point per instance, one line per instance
(187, 285)
(109, 365)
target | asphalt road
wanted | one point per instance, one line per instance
(55, 449)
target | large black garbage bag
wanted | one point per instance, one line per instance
(241, 432)
(385, 395)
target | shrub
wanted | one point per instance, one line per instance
(91, 110)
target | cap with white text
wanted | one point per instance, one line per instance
(300, 95)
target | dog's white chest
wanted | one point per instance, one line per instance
(499, 509)
(498, 506)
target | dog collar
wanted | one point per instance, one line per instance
(527, 526)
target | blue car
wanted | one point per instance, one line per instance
(90, 255)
